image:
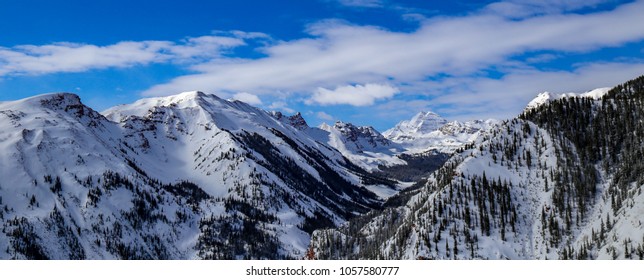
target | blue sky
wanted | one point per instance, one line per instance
(370, 62)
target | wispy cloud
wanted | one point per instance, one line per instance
(68, 57)
(74, 57)
(204, 47)
(340, 53)
(483, 97)
(444, 59)
(324, 116)
(395, 110)
(523, 8)
(248, 98)
(281, 106)
(358, 95)
(361, 3)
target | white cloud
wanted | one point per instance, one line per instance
(523, 8)
(340, 53)
(324, 116)
(479, 98)
(281, 106)
(67, 57)
(362, 3)
(541, 58)
(247, 98)
(203, 47)
(395, 110)
(442, 60)
(358, 95)
(72, 57)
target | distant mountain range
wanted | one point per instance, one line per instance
(561, 181)
(193, 176)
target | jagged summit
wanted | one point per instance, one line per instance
(51, 100)
(362, 145)
(358, 138)
(429, 131)
(355, 133)
(422, 123)
(296, 121)
(40, 110)
(427, 121)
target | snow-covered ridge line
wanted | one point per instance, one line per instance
(429, 131)
(362, 145)
(545, 97)
(534, 187)
(167, 177)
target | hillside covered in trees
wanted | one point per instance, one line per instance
(561, 181)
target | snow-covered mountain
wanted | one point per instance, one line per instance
(363, 145)
(562, 181)
(193, 176)
(185, 176)
(358, 139)
(420, 125)
(546, 97)
(296, 121)
(429, 131)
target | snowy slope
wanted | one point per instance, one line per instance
(296, 121)
(428, 131)
(363, 145)
(545, 97)
(173, 177)
(548, 185)
(455, 207)
(64, 193)
(193, 176)
(421, 124)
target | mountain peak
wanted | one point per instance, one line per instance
(422, 123)
(141, 107)
(427, 114)
(539, 100)
(545, 97)
(63, 102)
(296, 120)
(428, 130)
(349, 128)
(187, 95)
(325, 126)
(211, 160)
(363, 145)
(50, 100)
(192, 97)
(341, 124)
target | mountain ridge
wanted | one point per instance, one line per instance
(210, 164)
(194, 176)
(534, 187)
(429, 131)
